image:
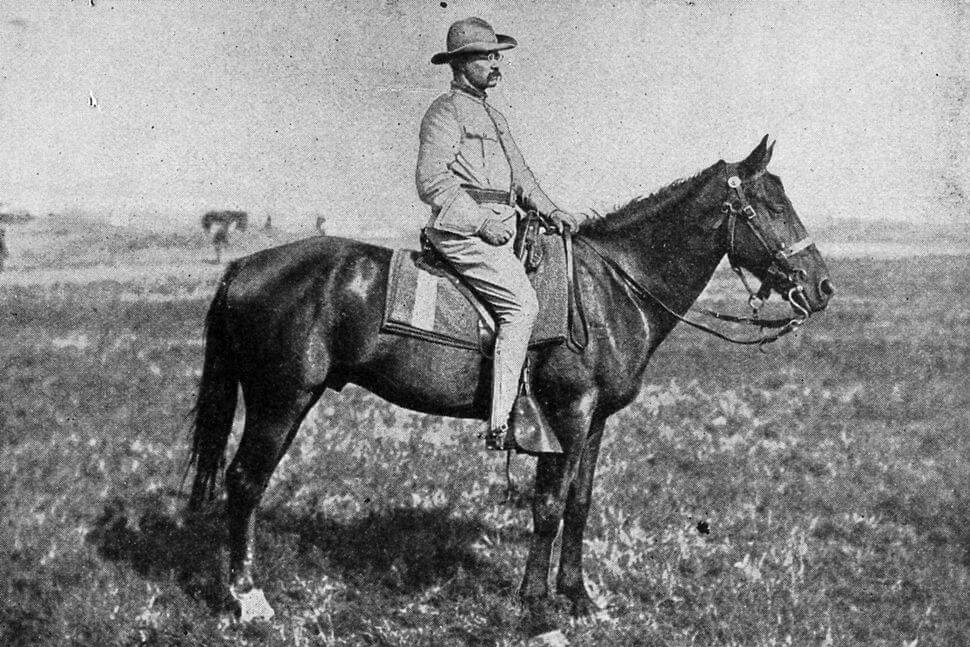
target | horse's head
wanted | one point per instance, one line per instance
(766, 237)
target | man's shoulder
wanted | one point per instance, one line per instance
(443, 104)
(445, 100)
(458, 104)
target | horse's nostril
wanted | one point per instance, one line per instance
(826, 288)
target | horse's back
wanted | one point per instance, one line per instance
(282, 299)
(301, 263)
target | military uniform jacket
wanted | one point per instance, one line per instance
(466, 143)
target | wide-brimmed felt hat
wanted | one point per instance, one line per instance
(472, 36)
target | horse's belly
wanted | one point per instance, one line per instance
(425, 399)
(430, 379)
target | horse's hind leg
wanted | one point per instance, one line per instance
(270, 427)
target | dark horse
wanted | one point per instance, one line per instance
(218, 223)
(290, 322)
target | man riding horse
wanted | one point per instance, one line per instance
(472, 174)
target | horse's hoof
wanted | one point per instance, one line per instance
(252, 605)
(539, 618)
(589, 615)
(554, 638)
(585, 608)
(581, 605)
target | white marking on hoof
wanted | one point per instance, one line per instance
(599, 614)
(252, 605)
(553, 638)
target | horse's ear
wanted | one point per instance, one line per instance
(758, 160)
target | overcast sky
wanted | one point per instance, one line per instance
(297, 108)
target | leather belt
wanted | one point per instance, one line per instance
(483, 196)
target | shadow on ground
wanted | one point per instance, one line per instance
(159, 540)
(398, 550)
(402, 549)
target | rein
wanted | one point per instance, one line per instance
(780, 266)
(645, 294)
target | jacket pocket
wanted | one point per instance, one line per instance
(477, 144)
(461, 215)
(479, 134)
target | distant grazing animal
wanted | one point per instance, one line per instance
(288, 323)
(218, 224)
(239, 218)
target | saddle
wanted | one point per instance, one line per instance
(427, 299)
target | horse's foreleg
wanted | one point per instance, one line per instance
(569, 581)
(547, 508)
(554, 474)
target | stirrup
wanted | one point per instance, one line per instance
(530, 431)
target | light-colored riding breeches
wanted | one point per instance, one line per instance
(500, 280)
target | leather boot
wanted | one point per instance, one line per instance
(510, 349)
(500, 438)
(528, 431)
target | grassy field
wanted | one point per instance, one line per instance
(818, 494)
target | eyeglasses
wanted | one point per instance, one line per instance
(491, 57)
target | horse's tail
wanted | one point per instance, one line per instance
(215, 407)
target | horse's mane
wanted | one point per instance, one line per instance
(649, 208)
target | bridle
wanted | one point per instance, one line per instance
(781, 268)
(737, 207)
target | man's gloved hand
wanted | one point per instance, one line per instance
(495, 232)
(564, 220)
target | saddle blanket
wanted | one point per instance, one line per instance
(434, 305)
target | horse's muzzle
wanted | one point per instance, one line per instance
(825, 288)
(804, 297)
(820, 299)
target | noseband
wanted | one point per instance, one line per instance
(736, 207)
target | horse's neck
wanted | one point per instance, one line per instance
(668, 252)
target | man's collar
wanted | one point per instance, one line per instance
(469, 90)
